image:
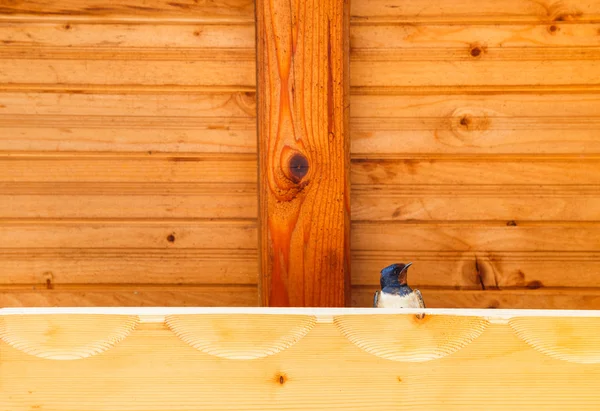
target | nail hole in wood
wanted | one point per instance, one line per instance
(171, 238)
(281, 378)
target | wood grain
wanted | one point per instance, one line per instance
(476, 236)
(483, 270)
(133, 37)
(180, 233)
(546, 299)
(128, 140)
(131, 134)
(95, 267)
(303, 92)
(185, 10)
(131, 296)
(389, 72)
(487, 11)
(199, 122)
(127, 168)
(71, 338)
(471, 203)
(475, 170)
(487, 124)
(206, 105)
(219, 69)
(353, 358)
(127, 200)
(443, 37)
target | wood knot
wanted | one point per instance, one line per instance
(469, 124)
(534, 285)
(67, 26)
(553, 29)
(511, 223)
(298, 167)
(171, 238)
(247, 102)
(475, 52)
(465, 121)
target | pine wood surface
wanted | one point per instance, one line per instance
(303, 153)
(473, 136)
(313, 359)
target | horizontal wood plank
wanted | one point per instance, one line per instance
(130, 134)
(558, 299)
(205, 122)
(132, 54)
(412, 90)
(142, 168)
(241, 168)
(128, 234)
(471, 203)
(194, 36)
(51, 268)
(216, 70)
(436, 37)
(476, 170)
(127, 200)
(131, 296)
(377, 203)
(186, 10)
(502, 123)
(475, 53)
(225, 122)
(203, 105)
(363, 11)
(389, 73)
(483, 270)
(475, 236)
(132, 37)
(487, 11)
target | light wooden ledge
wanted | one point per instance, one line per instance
(298, 358)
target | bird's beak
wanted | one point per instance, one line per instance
(406, 266)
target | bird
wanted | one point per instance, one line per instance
(395, 292)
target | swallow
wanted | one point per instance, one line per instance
(395, 292)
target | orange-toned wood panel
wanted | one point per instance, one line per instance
(128, 140)
(304, 156)
(474, 146)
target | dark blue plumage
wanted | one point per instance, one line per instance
(393, 279)
(395, 292)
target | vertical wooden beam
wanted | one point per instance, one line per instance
(304, 156)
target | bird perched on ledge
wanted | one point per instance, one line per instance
(395, 292)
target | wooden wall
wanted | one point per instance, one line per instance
(128, 145)
(128, 151)
(475, 141)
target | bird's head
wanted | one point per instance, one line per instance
(394, 275)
